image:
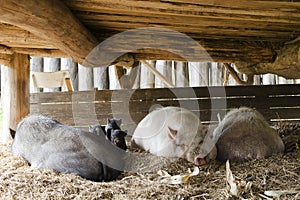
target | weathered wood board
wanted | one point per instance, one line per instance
(276, 103)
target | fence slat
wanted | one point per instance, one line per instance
(280, 102)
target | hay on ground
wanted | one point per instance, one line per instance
(278, 173)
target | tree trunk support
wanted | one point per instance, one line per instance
(15, 93)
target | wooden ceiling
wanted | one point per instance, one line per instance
(229, 30)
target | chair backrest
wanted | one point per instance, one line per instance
(52, 80)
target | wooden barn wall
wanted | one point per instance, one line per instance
(275, 102)
(181, 74)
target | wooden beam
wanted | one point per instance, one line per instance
(286, 64)
(249, 10)
(15, 98)
(228, 23)
(5, 50)
(6, 53)
(215, 56)
(40, 52)
(270, 20)
(5, 59)
(220, 50)
(50, 20)
(12, 36)
(24, 42)
(156, 43)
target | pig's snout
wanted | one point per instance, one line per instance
(116, 141)
(203, 159)
(200, 160)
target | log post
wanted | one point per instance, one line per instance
(72, 67)
(199, 74)
(164, 67)
(85, 78)
(217, 74)
(15, 93)
(113, 78)
(131, 78)
(36, 65)
(51, 65)
(181, 74)
(147, 77)
(101, 78)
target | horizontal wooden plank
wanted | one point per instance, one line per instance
(281, 113)
(189, 7)
(259, 90)
(85, 119)
(146, 106)
(284, 101)
(194, 21)
(165, 93)
(50, 97)
(83, 110)
(214, 91)
(86, 108)
(199, 12)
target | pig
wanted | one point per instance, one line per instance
(115, 134)
(98, 130)
(244, 134)
(118, 138)
(112, 131)
(113, 124)
(46, 143)
(173, 132)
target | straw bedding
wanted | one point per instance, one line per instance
(278, 173)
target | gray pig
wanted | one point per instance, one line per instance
(46, 143)
(244, 134)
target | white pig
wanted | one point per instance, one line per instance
(173, 132)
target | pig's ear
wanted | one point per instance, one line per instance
(119, 122)
(172, 133)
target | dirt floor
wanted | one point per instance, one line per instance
(279, 174)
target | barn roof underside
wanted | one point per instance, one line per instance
(229, 30)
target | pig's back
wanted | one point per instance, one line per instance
(151, 132)
(245, 135)
(34, 131)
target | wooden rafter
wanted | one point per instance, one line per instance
(229, 30)
(52, 21)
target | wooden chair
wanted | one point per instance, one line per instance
(52, 80)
